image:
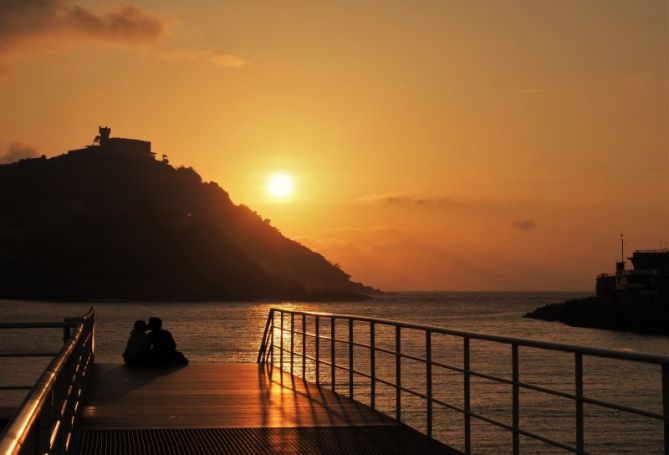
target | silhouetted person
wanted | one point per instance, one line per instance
(163, 348)
(137, 348)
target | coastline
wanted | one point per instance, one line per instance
(645, 317)
(304, 298)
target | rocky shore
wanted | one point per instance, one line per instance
(649, 317)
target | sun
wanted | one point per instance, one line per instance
(280, 186)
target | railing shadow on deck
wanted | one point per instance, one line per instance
(47, 420)
(283, 323)
(337, 413)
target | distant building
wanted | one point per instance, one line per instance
(118, 145)
(649, 279)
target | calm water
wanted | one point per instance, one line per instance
(231, 332)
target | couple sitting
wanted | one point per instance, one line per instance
(156, 348)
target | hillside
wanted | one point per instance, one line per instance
(103, 223)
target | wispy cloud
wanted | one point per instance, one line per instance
(16, 152)
(220, 59)
(427, 202)
(30, 24)
(227, 60)
(531, 90)
(525, 225)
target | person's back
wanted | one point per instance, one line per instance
(162, 343)
(137, 348)
(162, 346)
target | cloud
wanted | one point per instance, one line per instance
(16, 152)
(227, 60)
(375, 230)
(220, 59)
(26, 24)
(407, 200)
(47, 24)
(434, 203)
(524, 225)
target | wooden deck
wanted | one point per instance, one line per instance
(238, 402)
(214, 396)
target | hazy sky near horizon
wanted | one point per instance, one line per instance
(434, 144)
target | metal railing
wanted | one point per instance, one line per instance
(286, 327)
(47, 420)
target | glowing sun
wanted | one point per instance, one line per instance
(280, 186)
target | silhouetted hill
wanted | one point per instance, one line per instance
(100, 224)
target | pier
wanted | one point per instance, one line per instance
(231, 408)
(313, 390)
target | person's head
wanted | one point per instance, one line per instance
(155, 323)
(140, 325)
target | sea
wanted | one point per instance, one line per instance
(232, 332)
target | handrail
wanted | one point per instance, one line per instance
(529, 342)
(39, 325)
(33, 411)
(266, 355)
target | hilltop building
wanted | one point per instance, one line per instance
(649, 279)
(118, 145)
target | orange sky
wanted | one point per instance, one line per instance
(451, 145)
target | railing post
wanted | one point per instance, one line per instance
(578, 380)
(398, 373)
(304, 346)
(45, 423)
(281, 349)
(468, 408)
(70, 378)
(333, 349)
(262, 352)
(93, 337)
(267, 340)
(516, 399)
(372, 364)
(318, 349)
(60, 418)
(428, 379)
(292, 341)
(350, 358)
(271, 343)
(665, 405)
